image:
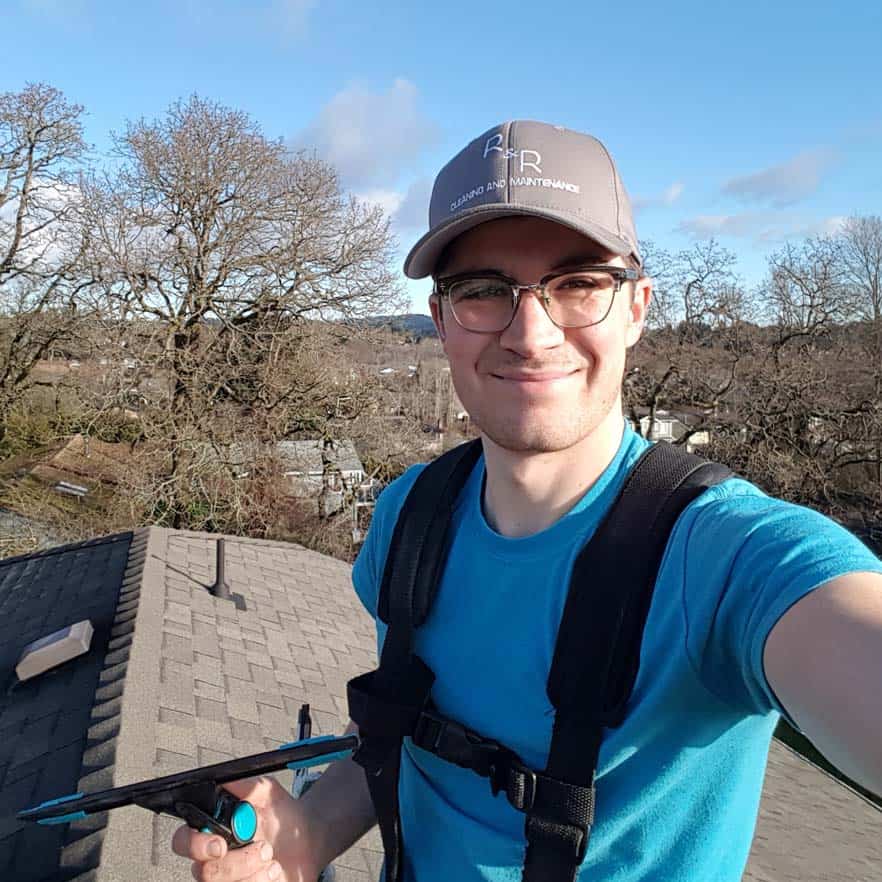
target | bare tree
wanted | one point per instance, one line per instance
(805, 292)
(860, 248)
(41, 283)
(805, 405)
(231, 257)
(689, 357)
(860, 242)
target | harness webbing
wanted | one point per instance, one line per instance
(592, 674)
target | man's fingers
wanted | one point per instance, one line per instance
(190, 843)
(255, 790)
(253, 862)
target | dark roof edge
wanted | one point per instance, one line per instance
(85, 840)
(73, 546)
(828, 775)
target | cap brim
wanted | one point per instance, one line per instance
(422, 258)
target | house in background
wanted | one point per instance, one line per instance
(177, 677)
(325, 470)
(671, 427)
(310, 465)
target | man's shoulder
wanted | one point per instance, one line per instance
(736, 514)
(393, 496)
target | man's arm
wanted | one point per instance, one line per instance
(339, 808)
(823, 659)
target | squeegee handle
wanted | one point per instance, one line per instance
(232, 818)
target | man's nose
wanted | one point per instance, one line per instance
(531, 330)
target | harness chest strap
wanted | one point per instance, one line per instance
(592, 674)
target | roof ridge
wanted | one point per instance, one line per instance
(271, 543)
(97, 769)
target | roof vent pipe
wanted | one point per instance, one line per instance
(221, 589)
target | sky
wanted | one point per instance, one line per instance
(755, 123)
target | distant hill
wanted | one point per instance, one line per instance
(415, 324)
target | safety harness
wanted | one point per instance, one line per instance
(592, 674)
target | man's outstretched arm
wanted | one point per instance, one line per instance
(823, 659)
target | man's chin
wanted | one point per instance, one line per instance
(546, 438)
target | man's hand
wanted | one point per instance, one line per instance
(282, 850)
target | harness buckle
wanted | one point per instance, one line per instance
(518, 782)
(453, 742)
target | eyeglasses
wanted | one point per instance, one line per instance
(487, 302)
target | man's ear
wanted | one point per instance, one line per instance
(437, 315)
(640, 300)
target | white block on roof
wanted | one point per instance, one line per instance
(54, 649)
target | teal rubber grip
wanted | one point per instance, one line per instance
(243, 822)
(319, 760)
(57, 801)
(62, 819)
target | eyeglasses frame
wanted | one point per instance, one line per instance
(620, 274)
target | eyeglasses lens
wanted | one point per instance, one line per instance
(574, 300)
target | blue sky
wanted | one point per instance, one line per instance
(754, 122)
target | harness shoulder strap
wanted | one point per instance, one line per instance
(386, 703)
(597, 654)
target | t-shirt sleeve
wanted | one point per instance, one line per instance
(367, 571)
(747, 558)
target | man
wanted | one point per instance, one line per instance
(760, 607)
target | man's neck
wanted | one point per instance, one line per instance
(526, 493)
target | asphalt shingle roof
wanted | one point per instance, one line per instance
(175, 678)
(178, 678)
(811, 827)
(58, 731)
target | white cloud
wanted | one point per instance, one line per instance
(668, 196)
(829, 226)
(673, 193)
(784, 184)
(759, 226)
(704, 226)
(388, 200)
(370, 137)
(413, 211)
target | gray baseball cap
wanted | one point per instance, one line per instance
(530, 168)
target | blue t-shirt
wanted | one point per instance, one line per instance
(679, 782)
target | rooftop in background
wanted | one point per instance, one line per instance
(177, 678)
(83, 460)
(304, 458)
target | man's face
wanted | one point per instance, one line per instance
(536, 387)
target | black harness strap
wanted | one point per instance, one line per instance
(386, 703)
(597, 654)
(592, 674)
